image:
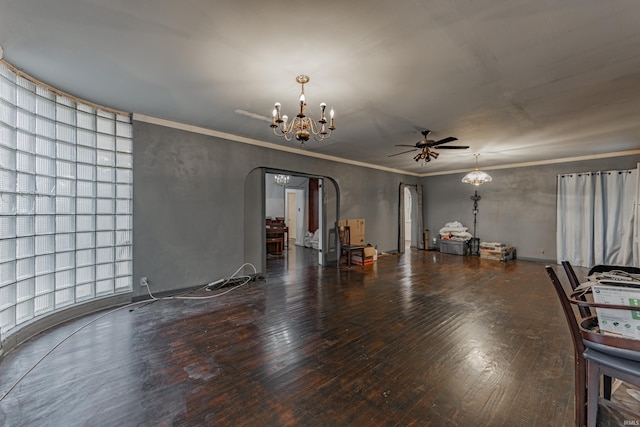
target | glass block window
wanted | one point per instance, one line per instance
(66, 191)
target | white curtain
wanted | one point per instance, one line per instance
(596, 218)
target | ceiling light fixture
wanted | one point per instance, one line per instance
(476, 177)
(302, 127)
(281, 179)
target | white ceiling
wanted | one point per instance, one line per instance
(516, 80)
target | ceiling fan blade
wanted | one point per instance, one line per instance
(444, 141)
(404, 152)
(454, 147)
(405, 145)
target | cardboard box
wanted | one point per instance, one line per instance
(625, 323)
(502, 254)
(357, 259)
(356, 230)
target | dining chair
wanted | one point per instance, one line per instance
(346, 248)
(606, 357)
(574, 282)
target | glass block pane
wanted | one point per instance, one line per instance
(7, 250)
(105, 142)
(64, 297)
(64, 100)
(7, 135)
(65, 242)
(25, 121)
(8, 91)
(86, 138)
(85, 240)
(86, 189)
(25, 289)
(43, 304)
(86, 155)
(124, 130)
(7, 181)
(85, 206)
(123, 118)
(25, 268)
(66, 187)
(7, 296)
(65, 223)
(66, 151)
(86, 172)
(123, 222)
(7, 158)
(46, 204)
(105, 190)
(26, 142)
(26, 99)
(45, 264)
(45, 147)
(123, 238)
(105, 206)
(85, 257)
(25, 183)
(45, 185)
(105, 158)
(124, 145)
(104, 271)
(25, 226)
(45, 224)
(105, 287)
(45, 108)
(24, 83)
(124, 191)
(7, 273)
(86, 274)
(65, 260)
(123, 268)
(8, 204)
(7, 113)
(8, 319)
(65, 205)
(25, 162)
(104, 255)
(66, 169)
(123, 283)
(123, 253)
(86, 108)
(24, 311)
(86, 121)
(104, 238)
(124, 176)
(45, 128)
(65, 114)
(65, 279)
(104, 125)
(45, 93)
(45, 244)
(84, 292)
(106, 174)
(124, 160)
(47, 166)
(25, 204)
(25, 247)
(105, 222)
(85, 223)
(7, 227)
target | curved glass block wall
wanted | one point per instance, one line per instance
(66, 190)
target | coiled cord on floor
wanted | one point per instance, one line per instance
(247, 280)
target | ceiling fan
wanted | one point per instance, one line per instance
(426, 147)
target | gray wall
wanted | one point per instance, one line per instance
(190, 203)
(518, 207)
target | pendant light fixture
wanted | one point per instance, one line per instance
(476, 177)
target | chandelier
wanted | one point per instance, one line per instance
(476, 177)
(302, 127)
(281, 179)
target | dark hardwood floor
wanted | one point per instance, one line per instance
(417, 339)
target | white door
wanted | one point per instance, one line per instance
(292, 214)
